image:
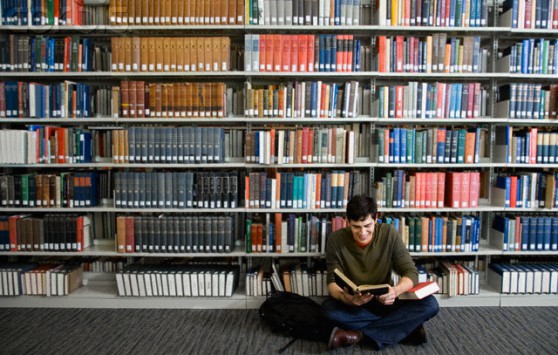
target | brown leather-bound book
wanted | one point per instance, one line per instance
(188, 98)
(146, 98)
(159, 54)
(123, 11)
(131, 11)
(240, 12)
(115, 146)
(231, 11)
(168, 11)
(208, 54)
(190, 54)
(175, 12)
(166, 53)
(179, 53)
(125, 98)
(176, 99)
(220, 99)
(127, 53)
(195, 99)
(52, 196)
(261, 103)
(221, 16)
(114, 43)
(207, 11)
(182, 100)
(186, 54)
(151, 53)
(121, 234)
(144, 15)
(136, 54)
(112, 12)
(157, 5)
(200, 55)
(203, 100)
(132, 92)
(140, 99)
(144, 53)
(170, 100)
(173, 53)
(164, 99)
(153, 100)
(125, 146)
(151, 11)
(185, 13)
(193, 12)
(225, 57)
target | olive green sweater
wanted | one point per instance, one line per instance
(372, 264)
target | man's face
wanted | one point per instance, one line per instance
(363, 230)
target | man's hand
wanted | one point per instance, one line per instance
(358, 299)
(388, 298)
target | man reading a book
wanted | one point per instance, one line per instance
(366, 252)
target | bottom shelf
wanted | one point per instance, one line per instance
(103, 294)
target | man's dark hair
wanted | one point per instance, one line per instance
(360, 207)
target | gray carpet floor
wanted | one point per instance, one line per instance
(481, 330)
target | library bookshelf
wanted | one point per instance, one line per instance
(244, 135)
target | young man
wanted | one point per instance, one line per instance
(367, 252)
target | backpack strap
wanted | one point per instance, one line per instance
(288, 344)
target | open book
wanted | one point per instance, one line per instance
(421, 290)
(344, 282)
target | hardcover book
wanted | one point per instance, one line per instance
(344, 282)
(420, 291)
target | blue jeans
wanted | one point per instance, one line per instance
(385, 325)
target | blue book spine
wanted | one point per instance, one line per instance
(525, 231)
(314, 100)
(547, 232)
(554, 233)
(356, 55)
(396, 142)
(403, 145)
(322, 53)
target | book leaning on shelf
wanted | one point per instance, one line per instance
(344, 282)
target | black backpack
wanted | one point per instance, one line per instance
(294, 315)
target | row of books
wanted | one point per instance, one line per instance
(456, 279)
(523, 278)
(530, 56)
(184, 144)
(525, 190)
(330, 189)
(464, 13)
(145, 280)
(185, 99)
(41, 12)
(65, 189)
(304, 145)
(301, 53)
(530, 14)
(65, 99)
(527, 101)
(438, 233)
(528, 146)
(525, 233)
(170, 54)
(431, 54)
(50, 54)
(304, 12)
(184, 234)
(40, 279)
(53, 232)
(432, 145)
(185, 189)
(302, 99)
(431, 100)
(47, 144)
(176, 12)
(280, 233)
(402, 189)
(104, 264)
(296, 277)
